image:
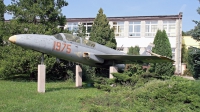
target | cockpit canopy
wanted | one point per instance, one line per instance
(73, 38)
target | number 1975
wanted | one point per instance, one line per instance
(58, 46)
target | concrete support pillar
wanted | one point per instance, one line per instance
(112, 69)
(142, 35)
(78, 76)
(41, 78)
(126, 29)
(183, 66)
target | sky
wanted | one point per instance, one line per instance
(117, 8)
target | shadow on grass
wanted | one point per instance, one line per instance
(26, 78)
(61, 88)
(85, 86)
(21, 78)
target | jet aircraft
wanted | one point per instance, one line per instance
(76, 49)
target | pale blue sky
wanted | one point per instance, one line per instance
(112, 8)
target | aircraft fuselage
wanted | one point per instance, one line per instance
(62, 48)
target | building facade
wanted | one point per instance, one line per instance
(139, 31)
(190, 42)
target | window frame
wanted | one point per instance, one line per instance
(167, 24)
(119, 25)
(86, 25)
(150, 25)
(133, 33)
(73, 26)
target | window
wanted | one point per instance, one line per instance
(88, 28)
(58, 36)
(170, 27)
(173, 56)
(173, 53)
(134, 29)
(118, 28)
(173, 50)
(73, 27)
(151, 28)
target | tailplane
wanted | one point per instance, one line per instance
(148, 50)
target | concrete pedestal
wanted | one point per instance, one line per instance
(112, 69)
(41, 78)
(78, 76)
(183, 68)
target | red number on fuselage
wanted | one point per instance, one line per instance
(68, 48)
(57, 46)
(64, 46)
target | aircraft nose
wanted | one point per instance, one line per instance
(12, 39)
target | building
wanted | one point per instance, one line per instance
(189, 41)
(139, 31)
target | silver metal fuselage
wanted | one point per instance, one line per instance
(65, 49)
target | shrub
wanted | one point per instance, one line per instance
(103, 83)
(174, 94)
(187, 73)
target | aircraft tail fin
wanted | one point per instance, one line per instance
(148, 50)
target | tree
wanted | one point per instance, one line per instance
(104, 35)
(187, 33)
(134, 50)
(193, 53)
(101, 31)
(196, 31)
(183, 52)
(81, 32)
(136, 68)
(162, 47)
(2, 11)
(193, 62)
(1, 32)
(41, 17)
(184, 33)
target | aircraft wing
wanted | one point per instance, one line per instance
(128, 59)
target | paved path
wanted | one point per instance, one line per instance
(188, 77)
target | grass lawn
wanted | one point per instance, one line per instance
(174, 95)
(59, 96)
